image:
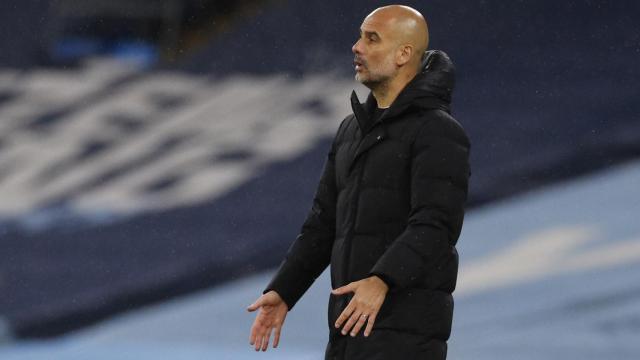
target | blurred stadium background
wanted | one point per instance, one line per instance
(157, 158)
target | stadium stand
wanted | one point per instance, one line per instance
(124, 187)
(538, 280)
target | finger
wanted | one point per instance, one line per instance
(252, 336)
(265, 343)
(255, 331)
(257, 338)
(257, 344)
(255, 305)
(343, 289)
(369, 328)
(276, 337)
(352, 320)
(345, 314)
(358, 325)
(259, 341)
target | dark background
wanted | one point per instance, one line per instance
(546, 90)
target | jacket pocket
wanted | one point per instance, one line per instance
(420, 311)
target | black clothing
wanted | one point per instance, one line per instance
(390, 202)
(377, 114)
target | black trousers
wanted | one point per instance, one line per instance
(383, 344)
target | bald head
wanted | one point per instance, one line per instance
(388, 53)
(405, 26)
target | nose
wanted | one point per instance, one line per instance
(356, 47)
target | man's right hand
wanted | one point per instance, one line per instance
(273, 311)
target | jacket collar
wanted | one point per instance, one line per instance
(429, 89)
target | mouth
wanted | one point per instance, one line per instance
(358, 64)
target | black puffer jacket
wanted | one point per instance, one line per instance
(390, 202)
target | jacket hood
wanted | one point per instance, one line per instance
(433, 86)
(430, 89)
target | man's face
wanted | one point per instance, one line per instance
(374, 52)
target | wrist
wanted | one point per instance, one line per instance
(381, 281)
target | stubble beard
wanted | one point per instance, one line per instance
(373, 82)
(376, 80)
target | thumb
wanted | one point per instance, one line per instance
(256, 304)
(344, 289)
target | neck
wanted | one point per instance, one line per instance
(387, 92)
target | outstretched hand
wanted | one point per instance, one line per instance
(368, 297)
(273, 311)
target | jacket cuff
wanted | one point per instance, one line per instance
(400, 276)
(387, 280)
(290, 282)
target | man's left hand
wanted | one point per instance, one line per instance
(368, 297)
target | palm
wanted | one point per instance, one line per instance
(271, 315)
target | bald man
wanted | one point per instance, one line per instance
(388, 209)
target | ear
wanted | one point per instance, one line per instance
(404, 54)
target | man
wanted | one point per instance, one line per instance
(388, 209)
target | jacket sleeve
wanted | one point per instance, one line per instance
(310, 253)
(439, 184)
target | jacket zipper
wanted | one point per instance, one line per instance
(354, 214)
(349, 240)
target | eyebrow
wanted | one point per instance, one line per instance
(370, 33)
